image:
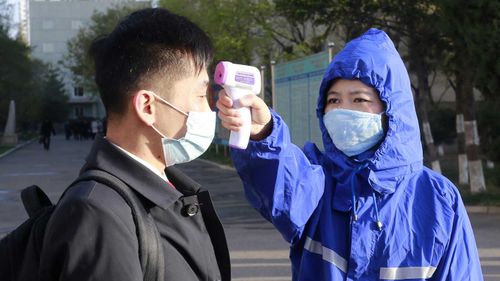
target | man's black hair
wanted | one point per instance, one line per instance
(148, 49)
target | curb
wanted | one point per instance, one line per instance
(483, 209)
(21, 145)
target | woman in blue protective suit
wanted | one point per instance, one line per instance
(365, 208)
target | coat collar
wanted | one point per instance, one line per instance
(105, 156)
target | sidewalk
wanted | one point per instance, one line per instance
(258, 252)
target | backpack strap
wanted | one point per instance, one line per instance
(34, 199)
(150, 248)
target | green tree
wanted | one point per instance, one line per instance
(483, 40)
(17, 76)
(54, 101)
(413, 23)
(466, 27)
(234, 29)
(296, 27)
(230, 25)
(77, 59)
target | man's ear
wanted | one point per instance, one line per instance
(144, 106)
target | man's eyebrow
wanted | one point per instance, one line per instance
(204, 83)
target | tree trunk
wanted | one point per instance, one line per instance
(472, 149)
(463, 167)
(423, 98)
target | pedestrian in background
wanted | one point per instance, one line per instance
(94, 124)
(46, 130)
(366, 208)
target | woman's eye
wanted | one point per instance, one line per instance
(360, 100)
(332, 101)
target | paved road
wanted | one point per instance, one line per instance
(257, 251)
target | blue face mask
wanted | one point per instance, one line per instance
(199, 136)
(353, 132)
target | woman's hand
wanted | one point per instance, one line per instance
(261, 116)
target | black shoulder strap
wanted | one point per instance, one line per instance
(34, 199)
(150, 249)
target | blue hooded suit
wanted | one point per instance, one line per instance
(407, 223)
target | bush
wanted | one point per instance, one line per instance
(442, 122)
(489, 129)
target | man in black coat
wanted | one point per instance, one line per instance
(152, 77)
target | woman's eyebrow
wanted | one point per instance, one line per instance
(362, 91)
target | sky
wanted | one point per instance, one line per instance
(14, 16)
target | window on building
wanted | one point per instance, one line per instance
(47, 24)
(76, 24)
(78, 91)
(47, 47)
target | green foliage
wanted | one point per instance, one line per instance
(17, 80)
(77, 59)
(492, 195)
(54, 101)
(229, 23)
(442, 122)
(489, 129)
(485, 49)
(432, 35)
(5, 10)
(472, 32)
(4, 149)
(35, 88)
(299, 27)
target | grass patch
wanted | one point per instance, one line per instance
(4, 148)
(26, 136)
(491, 196)
(218, 155)
(487, 198)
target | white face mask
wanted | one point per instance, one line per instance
(199, 136)
(353, 132)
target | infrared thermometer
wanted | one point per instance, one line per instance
(239, 80)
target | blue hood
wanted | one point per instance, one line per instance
(373, 59)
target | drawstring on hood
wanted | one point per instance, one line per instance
(353, 191)
(379, 223)
(354, 209)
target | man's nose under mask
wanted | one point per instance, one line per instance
(199, 135)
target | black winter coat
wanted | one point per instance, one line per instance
(91, 234)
